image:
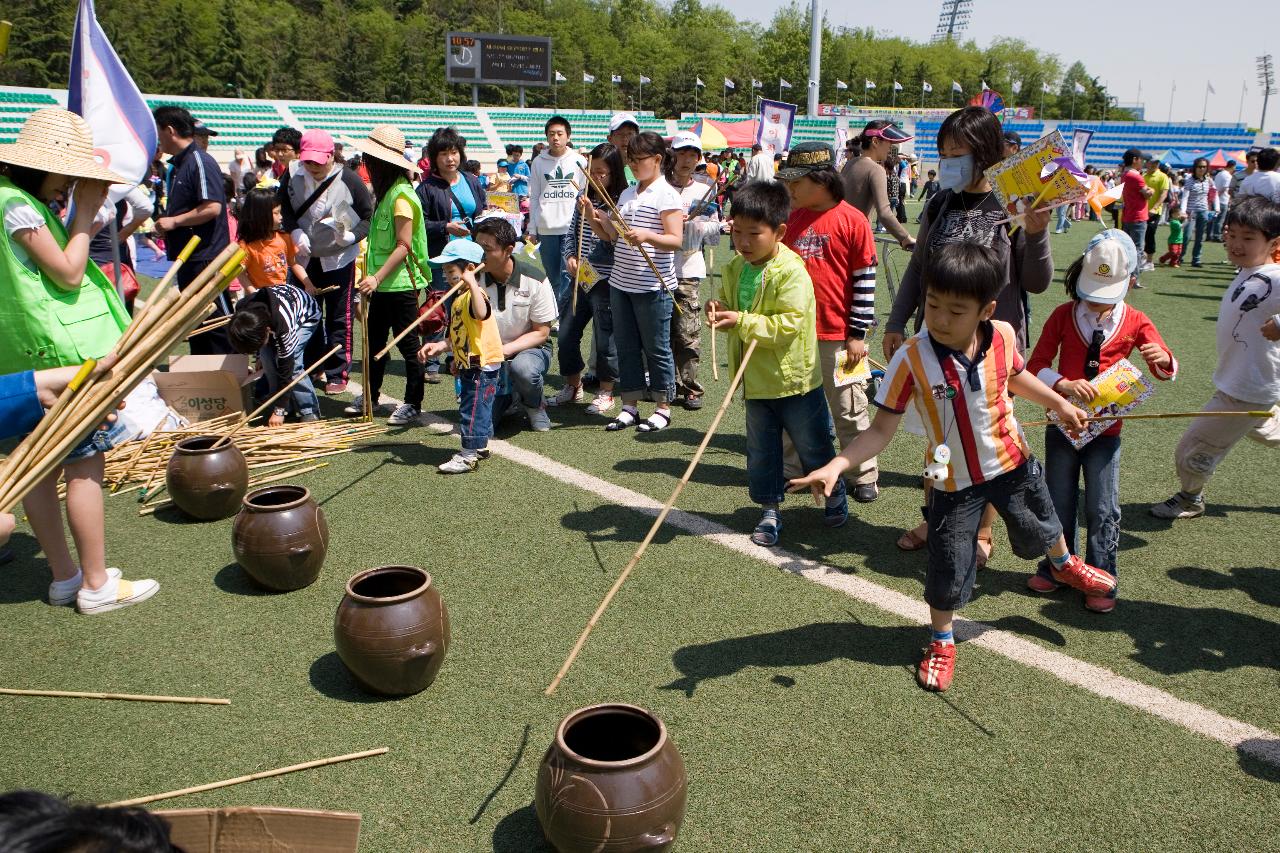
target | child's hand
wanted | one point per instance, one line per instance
(432, 349)
(1081, 389)
(854, 352)
(308, 286)
(821, 482)
(1271, 330)
(1155, 356)
(368, 285)
(572, 266)
(276, 419)
(1073, 419)
(638, 236)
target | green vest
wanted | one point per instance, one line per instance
(382, 240)
(41, 324)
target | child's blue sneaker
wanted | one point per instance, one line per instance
(835, 515)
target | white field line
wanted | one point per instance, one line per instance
(1252, 740)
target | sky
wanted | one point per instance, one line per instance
(1168, 47)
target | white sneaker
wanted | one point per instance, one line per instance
(602, 404)
(404, 414)
(1179, 506)
(62, 593)
(538, 419)
(566, 395)
(441, 428)
(356, 406)
(1146, 267)
(459, 464)
(114, 594)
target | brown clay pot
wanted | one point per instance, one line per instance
(611, 781)
(280, 537)
(392, 630)
(205, 483)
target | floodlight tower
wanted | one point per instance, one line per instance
(1267, 80)
(953, 19)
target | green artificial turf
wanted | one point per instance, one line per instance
(794, 706)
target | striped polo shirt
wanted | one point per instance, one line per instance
(967, 406)
(644, 210)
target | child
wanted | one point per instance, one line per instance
(552, 198)
(1247, 378)
(269, 252)
(766, 296)
(928, 191)
(501, 182)
(477, 353)
(277, 322)
(1090, 333)
(959, 371)
(1173, 257)
(473, 168)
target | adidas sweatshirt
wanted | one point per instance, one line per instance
(551, 191)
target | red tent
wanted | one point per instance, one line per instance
(718, 135)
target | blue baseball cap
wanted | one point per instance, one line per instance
(502, 164)
(460, 250)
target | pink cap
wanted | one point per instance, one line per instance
(317, 146)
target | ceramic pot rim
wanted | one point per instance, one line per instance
(293, 504)
(592, 710)
(395, 599)
(184, 448)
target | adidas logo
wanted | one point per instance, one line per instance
(558, 178)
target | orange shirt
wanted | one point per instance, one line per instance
(267, 262)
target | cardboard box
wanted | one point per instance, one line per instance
(253, 829)
(201, 387)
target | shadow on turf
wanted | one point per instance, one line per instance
(329, 675)
(234, 579)
(519, 832)
(21, 582)
(1253, 756)
(1259, 583)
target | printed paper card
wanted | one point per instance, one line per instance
(1121, 389)
(1017, 180)
(587, 275)
(844, 375)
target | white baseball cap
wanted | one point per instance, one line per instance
(686, 139)
(619, 119)
(1110, 260)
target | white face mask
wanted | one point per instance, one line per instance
(955, 173)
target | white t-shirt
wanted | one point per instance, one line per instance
(18, 215)
(1265, 184)
(1222, 183)
(527, 299)
(701, 231)
(1249, 364)
(644, 210)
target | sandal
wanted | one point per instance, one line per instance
(912, 541)
(650, 425)
(626, 418)
(983, 557)
(766, 532)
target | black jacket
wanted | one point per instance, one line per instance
(437, 208)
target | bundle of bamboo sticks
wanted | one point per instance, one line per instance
(159, 325)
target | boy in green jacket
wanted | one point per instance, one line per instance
(766, 296)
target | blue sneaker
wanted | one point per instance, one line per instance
(836, 515)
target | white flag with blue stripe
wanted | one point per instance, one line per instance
(104, 95)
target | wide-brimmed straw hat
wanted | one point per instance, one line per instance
(59, 142)
(386, 142)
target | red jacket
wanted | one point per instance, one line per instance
(1061, 337)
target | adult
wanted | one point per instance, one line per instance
(195, 206)
(1158, 182)
(451, 200)
(966, 211)
(1266, 180)
(203, 134)
(326, 208)
(552, 198)
(623, 128)
(1222, 180)
(1196, 207)
(865, 186)
(524, 306)
(1135, 196)
(1012, 143)
(760, 168)
(262, 166)
(128, 213)
(241, 164)
(1250, 166)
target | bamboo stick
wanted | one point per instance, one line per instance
(210, 326)
(624, 229)
(423, 316)
(582, 232)
(276, 396)
(280, 771)
(1158, 416)
(330, 289)
(131, 697)
(133, 461)
(715, 359)
(657, 522)
(162, 287)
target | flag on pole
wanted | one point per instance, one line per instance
(588, 78)
(1046, 88)
(698, 82)
(897, 87)
(926, 86)
(756, 84)
(840, 84)
(560, 78)
(1079, 90)
(104, 95)
(1016, 86)
(615, 78)
(644, 79)
(985, 87)
(783, 83)
(868, 84)
(955, 87)
(1212, 91)
(728, 84)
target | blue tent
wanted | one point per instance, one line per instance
(1181, 159)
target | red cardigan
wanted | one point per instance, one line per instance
(1061, 337)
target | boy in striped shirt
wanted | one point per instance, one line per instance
(958, 373)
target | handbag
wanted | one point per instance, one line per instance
(436, 323)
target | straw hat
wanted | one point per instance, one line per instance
(59, 142)
(386, 143)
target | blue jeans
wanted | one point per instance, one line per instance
(475, 406)
(807, 421)
(1137, 231)
(593, 304)
(1201, 220)
(549, 248)
(642, 334)
(1099, 460)
(1063, 222)
(522, 379)
(1215, 225)
(301, 399)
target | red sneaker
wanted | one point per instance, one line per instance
(1041, 584)
(1084, 577)
(937, 667)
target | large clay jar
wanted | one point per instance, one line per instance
(204, 482)
(392, 630)
(611, 781)
(280, 537)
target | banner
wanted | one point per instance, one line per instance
(1019, 112)
(831, 110)
(1079, 143)
(773, 134)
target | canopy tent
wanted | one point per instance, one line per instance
(1183, 159)
(718, 135)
